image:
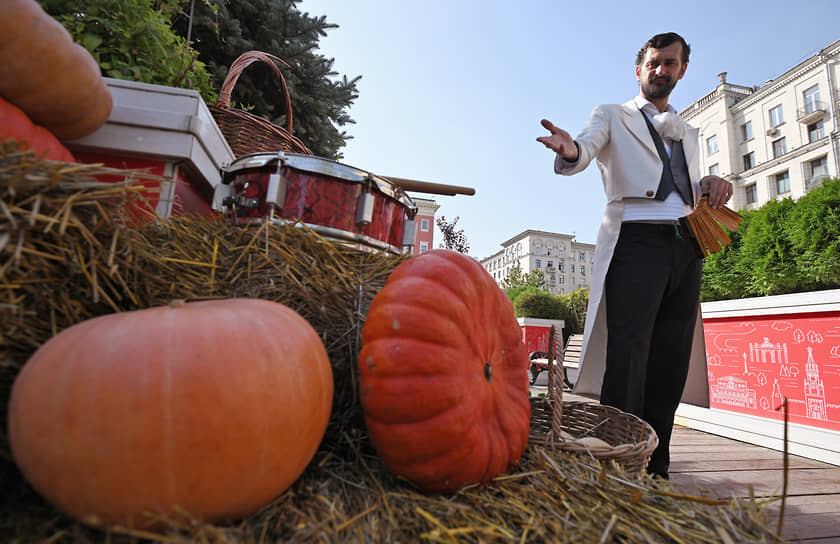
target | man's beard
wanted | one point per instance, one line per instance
(658, 90)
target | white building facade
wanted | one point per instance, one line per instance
(775, 141)
(565, 262)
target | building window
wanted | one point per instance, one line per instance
(779, 147)
(816, 170)
(751, 193)
(538, 250)
(560, 253)
(714, 170)
(812, 99)
(581, 256)
(539, 263)
(550, 264)
(582, 270)
(562, 278)
(782, 183)
(749, 160)
(424, 225)
(746, 131)
(712, 144)
(816, 131)
(561, 266)
(776, 117)
(424, 247)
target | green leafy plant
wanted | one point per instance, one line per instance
(133, 39)
(785, 246)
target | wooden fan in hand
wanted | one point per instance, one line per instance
(704, 224)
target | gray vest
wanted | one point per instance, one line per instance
(674, 169)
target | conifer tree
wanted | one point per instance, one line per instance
(222, 30)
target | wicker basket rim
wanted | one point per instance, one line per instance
(243, 61)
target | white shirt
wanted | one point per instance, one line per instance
(643, 209)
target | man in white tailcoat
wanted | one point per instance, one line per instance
(643, 338)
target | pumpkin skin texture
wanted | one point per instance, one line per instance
(443, 374)
(14, 124)
(54, 80)
(213, 407)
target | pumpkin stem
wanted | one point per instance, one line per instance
(488, 371)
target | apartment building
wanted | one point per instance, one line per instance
(565, 262)
(425, 225)
(775, 141)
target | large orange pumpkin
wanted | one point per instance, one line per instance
(443, 374)
(214, 407)
(54, 80)
(16, 125)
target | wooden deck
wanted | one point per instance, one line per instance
(724, 468)
(720, 467)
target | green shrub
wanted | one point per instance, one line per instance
(785, 246)
(133, 39)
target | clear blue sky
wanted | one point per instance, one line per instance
(452, 91)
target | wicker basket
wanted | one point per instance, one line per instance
(561, 425)
(249, 133)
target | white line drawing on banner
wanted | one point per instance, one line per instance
(760, 353)
(776, 398)
(814, 389)
(815, 337)
(733, 391)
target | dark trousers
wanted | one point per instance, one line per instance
(652, 293)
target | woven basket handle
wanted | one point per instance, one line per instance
(243, 61)
(555, 382)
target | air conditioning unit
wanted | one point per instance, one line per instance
(772, 131)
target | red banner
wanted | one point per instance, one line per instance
(756, 362)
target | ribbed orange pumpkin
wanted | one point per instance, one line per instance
(54, 80)
(443, 372)
(214, 407)
(15, 125)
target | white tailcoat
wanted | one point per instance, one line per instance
(618, 138)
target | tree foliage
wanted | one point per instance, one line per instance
(530, 301)
(133, 39)
(785, 246)
(516, 278)
(222, 30)
(540, 304)
(146, 40)
(814, 233)
(453, 239)
(577, 302)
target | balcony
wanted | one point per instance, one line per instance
(812, 112)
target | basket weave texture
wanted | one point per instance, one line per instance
(248, 133)
(630, 441)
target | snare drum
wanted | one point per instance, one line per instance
(340, 202)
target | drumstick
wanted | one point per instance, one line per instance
(428, 187)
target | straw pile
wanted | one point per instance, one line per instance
(72, 248)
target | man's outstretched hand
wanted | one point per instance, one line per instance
(559, 141)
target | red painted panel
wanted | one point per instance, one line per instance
(535, 337)
(755, 362)
(188, 197)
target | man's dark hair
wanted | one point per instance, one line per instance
(664, 40)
